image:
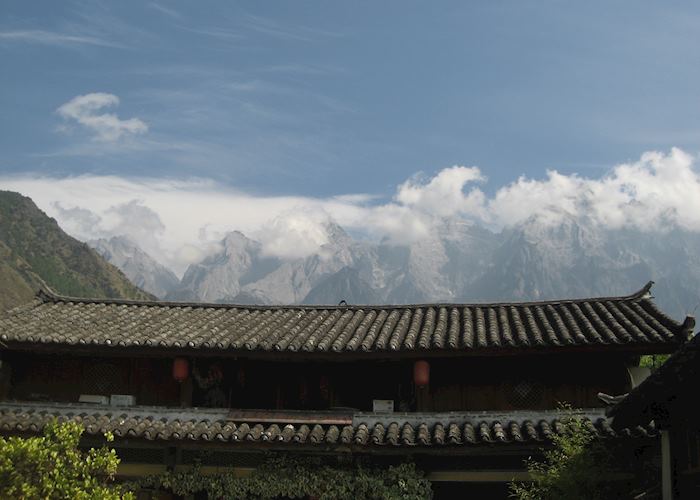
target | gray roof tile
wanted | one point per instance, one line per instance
(632, 320)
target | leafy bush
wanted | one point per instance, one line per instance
(286, 477)
(578, 467)
(52, 467)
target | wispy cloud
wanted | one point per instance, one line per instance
(271, 27)
(101, 19)
(250, 27)
(168, 11)
(224, 34)
(120, 148)
(53, 38)
(86, 110)
(90, 24)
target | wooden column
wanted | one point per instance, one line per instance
(186, 388)
(666, 470)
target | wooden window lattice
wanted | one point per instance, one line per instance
(525, 394)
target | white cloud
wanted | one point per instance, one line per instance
(181, 221)
(80, 222)
(444, 195)
(400, 224)
(297, 233)
(86, 110)
(656, 192)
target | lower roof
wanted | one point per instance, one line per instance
(670, 393)
(433, 432)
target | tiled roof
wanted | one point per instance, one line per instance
(161, 424)
(669, 392)
(630, 321)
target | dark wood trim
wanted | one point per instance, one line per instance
(336, 357)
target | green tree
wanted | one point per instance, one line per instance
(52, 467)
(578, 467)
(653, 361)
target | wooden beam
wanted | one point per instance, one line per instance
(215, 469)
(478, 476)
(140, 470)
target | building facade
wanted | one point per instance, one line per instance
(467, 391)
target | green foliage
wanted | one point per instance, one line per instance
(576, 468)
(52, 467)
(653, 361)
(286, 477)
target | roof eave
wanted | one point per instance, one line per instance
(345, 355)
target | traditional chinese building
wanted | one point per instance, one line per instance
(465, 390)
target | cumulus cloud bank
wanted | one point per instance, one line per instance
(658, 191)
(88, 111)
(178, 222)
(444, 195)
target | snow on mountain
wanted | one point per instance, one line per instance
(221, 276)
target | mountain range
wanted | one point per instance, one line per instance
(460, 261)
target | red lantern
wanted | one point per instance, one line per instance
(181, 369)
(421, 373)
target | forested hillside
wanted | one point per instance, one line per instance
(34, 251)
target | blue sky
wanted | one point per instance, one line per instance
(175, 122)
(329, 98)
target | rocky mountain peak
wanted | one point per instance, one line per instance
(141, 269)
(541, 258)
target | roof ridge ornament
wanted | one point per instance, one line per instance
(645, 293)
(687, 327)
(46, 294)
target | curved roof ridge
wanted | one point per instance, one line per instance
(631, 321)
(45, 294)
